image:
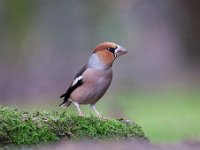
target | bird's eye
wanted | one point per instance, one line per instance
(111, 49)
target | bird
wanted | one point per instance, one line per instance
(94, 78)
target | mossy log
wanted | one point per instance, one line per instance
(25, 128)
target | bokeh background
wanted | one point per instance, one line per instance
(43, 43)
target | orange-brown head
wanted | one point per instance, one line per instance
(104, 54)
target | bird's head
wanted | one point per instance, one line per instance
(105, 53)
(110, 49)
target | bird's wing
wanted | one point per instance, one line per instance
(81, 71)
(78, 81)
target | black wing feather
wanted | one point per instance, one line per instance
(81, 71)
(72, 88)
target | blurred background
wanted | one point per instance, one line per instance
(43, 43)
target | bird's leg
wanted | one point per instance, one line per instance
(78, 108)
(94, 108)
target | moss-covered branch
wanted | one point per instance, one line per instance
(19, 127)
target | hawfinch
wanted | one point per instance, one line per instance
(94, 78)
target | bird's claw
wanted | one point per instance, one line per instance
(99, 115)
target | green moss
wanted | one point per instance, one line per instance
(24, 128)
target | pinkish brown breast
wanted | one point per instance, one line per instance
(95, 84)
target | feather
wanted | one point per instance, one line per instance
(71, 89)
(78, 81)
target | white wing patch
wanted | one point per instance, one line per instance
(76, 80)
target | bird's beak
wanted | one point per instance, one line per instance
(120, 51)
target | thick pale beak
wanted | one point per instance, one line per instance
(120, 51)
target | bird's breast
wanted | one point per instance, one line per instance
(95, 84)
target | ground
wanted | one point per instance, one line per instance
(185, 145)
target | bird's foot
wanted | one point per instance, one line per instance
(81, 114)
(99, 115)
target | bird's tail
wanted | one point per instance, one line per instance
(66, 102)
